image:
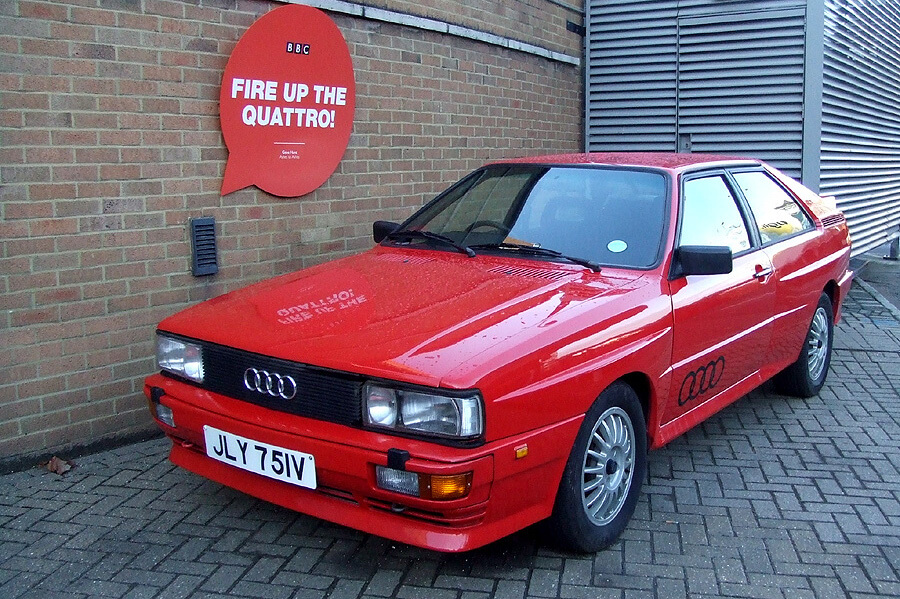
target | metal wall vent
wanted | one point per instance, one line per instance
(203, 247)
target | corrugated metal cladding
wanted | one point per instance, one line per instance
(631, 57)
(749, 77)
(861, 116)
(740, 85)
(718, 77)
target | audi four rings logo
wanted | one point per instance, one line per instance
(699, 381)
(270, 383)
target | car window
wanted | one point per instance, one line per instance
(777, 214)
(710, 215)
(490, 198)
(613, 216)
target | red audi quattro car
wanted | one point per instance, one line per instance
(510, 353)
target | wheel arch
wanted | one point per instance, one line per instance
(833, 291)
(570, 524)
(641, 385)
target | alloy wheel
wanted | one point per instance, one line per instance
(608, 466)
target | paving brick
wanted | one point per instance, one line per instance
(577, 572)
(543, 583)
(510, 589)
(222, 579)
(383, 583)
(263, 591)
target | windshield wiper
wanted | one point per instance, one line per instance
(434, 237)
(539, 251)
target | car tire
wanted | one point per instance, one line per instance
(805, 377)
(604, 473)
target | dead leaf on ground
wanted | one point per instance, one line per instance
(58, 465)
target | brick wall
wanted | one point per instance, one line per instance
(539, 22)
(111, 143)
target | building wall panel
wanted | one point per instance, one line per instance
(726, 76)
(861, 116)
(740, 85)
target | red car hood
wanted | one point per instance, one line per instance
(412, 315)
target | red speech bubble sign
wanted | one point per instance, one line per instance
(286, 104)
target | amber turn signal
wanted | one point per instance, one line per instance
(443, 487)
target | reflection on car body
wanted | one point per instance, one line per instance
(510, 352)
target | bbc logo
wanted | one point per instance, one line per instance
(297, 48)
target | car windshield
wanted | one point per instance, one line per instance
(610, 216)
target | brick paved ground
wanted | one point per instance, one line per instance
(773, 498)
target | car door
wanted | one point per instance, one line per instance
(784, 230)
(722, 322)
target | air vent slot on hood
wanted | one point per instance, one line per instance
(403, 259)
(537, 273)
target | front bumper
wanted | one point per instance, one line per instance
(508, 491)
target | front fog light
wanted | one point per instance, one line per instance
(164, 414)
(399, 481)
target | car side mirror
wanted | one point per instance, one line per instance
(701, 260)
(383, 228)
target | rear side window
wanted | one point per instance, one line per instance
(777, 214)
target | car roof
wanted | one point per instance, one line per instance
(669, 161)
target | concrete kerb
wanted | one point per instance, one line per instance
(895, 312)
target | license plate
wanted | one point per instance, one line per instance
(294, 467)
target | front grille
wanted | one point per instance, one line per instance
(321, 394)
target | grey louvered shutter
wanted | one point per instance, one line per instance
(630, 75)
(740, 85)
(861, 116)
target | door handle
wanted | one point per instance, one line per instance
(763, 272)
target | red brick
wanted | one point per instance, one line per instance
(73, 138)
(105, 189)
(51, 191)
(27, 210)
(50, 155)
(125, 271)
(101, 291)
(58, 295)
(92, 16)
(62, 365)
(119, 172)
(41, 228)
(86, 309)
(119, 104)
(42, 10)
(81, 275)
(21, 444)
(15, 301)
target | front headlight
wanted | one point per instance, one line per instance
(455, 416)
(180, 357)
